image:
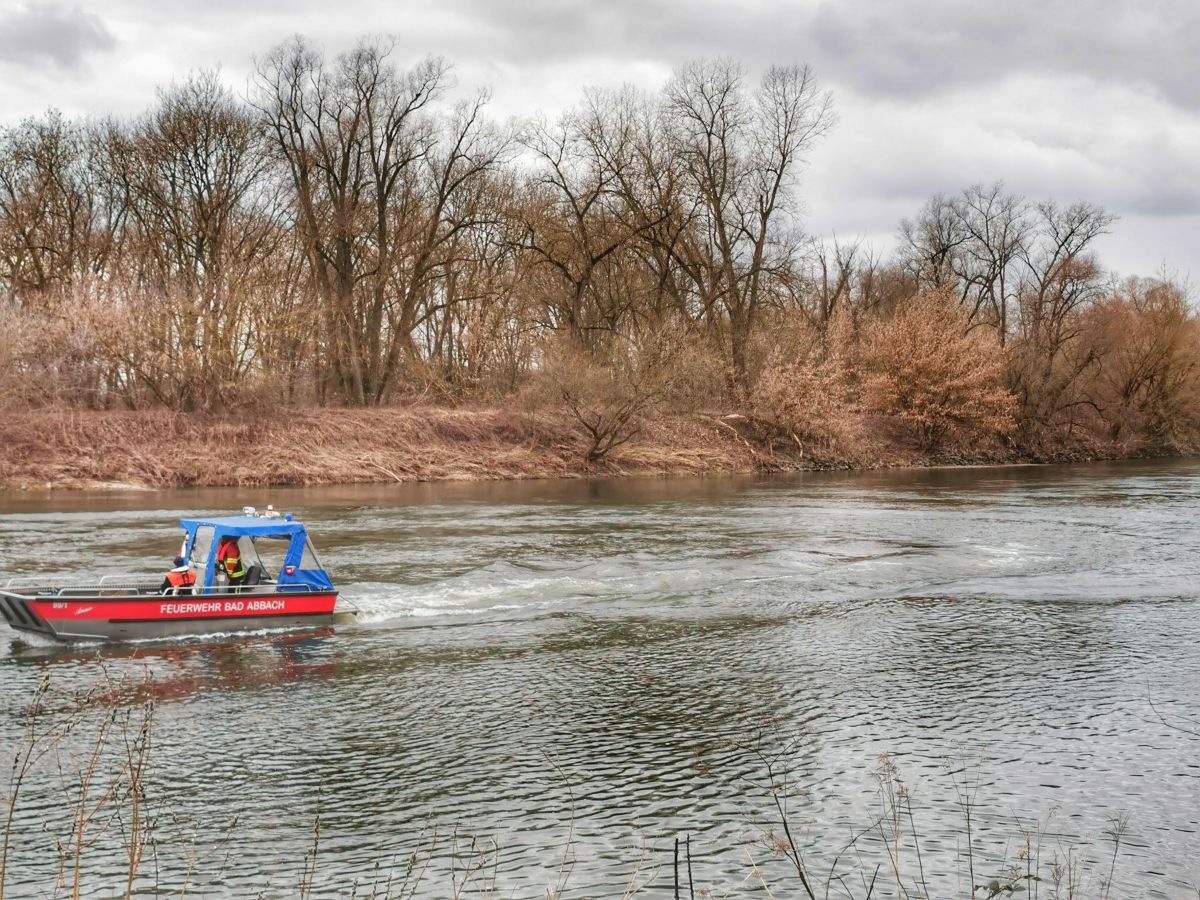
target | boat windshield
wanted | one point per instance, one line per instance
(201, 547)
(269, 552)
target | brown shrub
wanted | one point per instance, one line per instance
(12, 341)
(689, 367)
(809, 391)
(607, 390)
(1147, 392)
(923, 370)
(48, 359)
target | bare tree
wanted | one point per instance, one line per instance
(51, 221)
(930, 243)
(200, 224)
(974, 243)
(1061, 275)
(997, 226)
(741, 152)
(348, 134)
(450, 227)
(585, 207)
(837, 275)
(1060, 280)
(384, 189)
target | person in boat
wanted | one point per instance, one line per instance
(229, 558)
(180, 578)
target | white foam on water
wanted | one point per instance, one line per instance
(1009, 555)
(503, 588)
(33, 639)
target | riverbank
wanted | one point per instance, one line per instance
(66, 449)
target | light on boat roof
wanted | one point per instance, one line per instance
(248, 510)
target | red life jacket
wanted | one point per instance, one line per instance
(185, 578)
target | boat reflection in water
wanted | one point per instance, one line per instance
(140, 672)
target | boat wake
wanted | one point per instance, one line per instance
(501, 589)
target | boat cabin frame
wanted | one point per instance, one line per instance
(296, 568)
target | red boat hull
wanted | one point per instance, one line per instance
(137, 617)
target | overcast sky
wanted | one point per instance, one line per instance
(1070, 99)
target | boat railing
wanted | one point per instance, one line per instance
(17, 582)
(108, 585)
(266, 587)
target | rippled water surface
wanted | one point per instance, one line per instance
(572, 675)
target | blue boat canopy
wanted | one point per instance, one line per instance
(245, 526)
(297, 567)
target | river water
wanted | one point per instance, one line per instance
(549, 682)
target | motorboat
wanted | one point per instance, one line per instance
(280, 585)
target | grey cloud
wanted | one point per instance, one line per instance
(880, 47)
(51, 33)
(1170, 197)
(959, 54)
(922, 48)
(1163, 187)
(546, 30)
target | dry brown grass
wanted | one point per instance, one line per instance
(74, 449)
(62, 448)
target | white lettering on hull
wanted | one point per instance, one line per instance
(229, 606)
(188, 609)
(265, 606)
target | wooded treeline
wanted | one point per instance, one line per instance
(344, 234)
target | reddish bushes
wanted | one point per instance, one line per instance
(923, 369)
(916, 377)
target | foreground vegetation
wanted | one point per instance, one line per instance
(347, 235)
(113, 834)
